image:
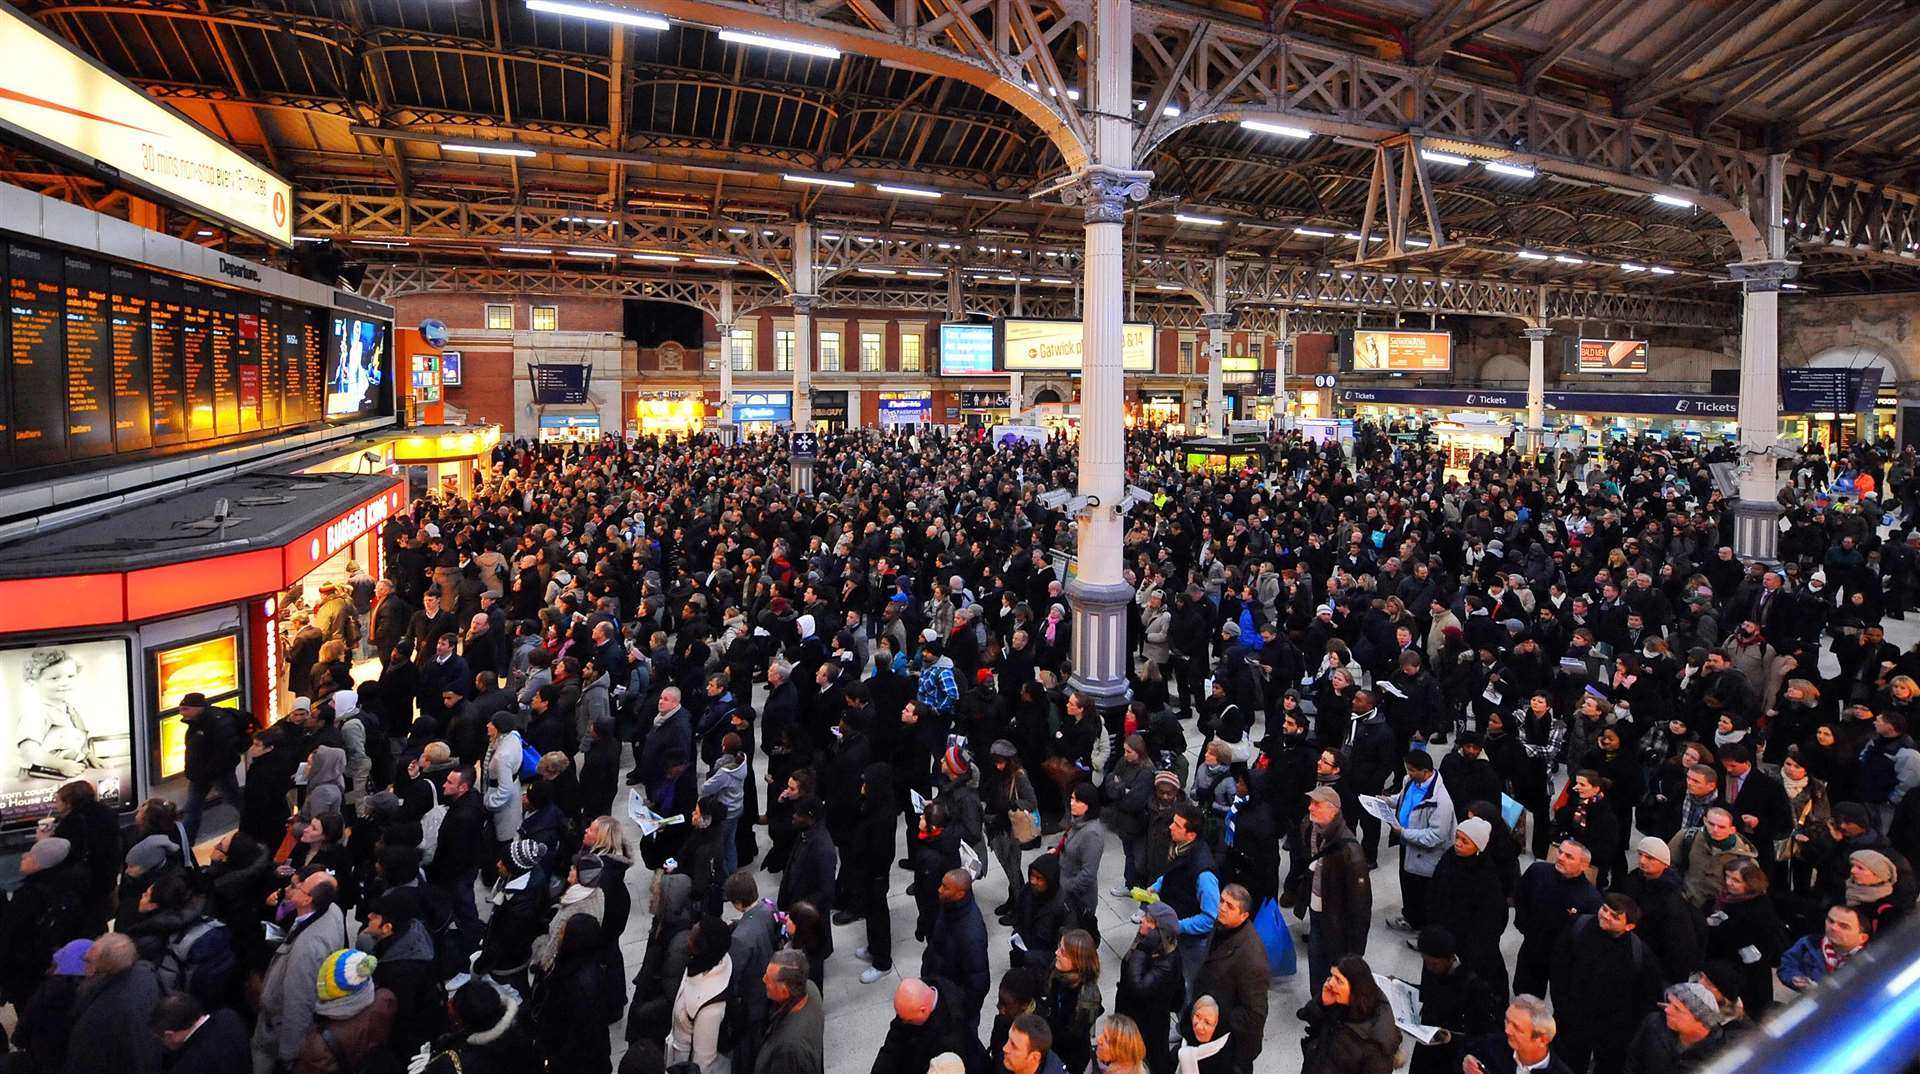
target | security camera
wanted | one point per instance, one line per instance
(222, 507)
(1134, 497)
(1056, 499)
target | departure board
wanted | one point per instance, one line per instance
(104, 360)
(89, 361)
(36, 359)
(169, 376)
(132, 363)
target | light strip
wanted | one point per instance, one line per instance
(636, 19)
(1438, 157)
(486, 150)
(1568, 259)
(1166, 287)
(310, 238)
(1057, 280)
(1530, 255)
(878, 271)
(925, 274)
(816, 180)
(1313, 232)
(1673, 200)
(1422, 243)
(585, 220)
(780, 44)
(1660, 270)
(525, 250)
(715, 261)
(662, 258)
(1520, 171)
(907, 191)
(605, 255)
(1203, 221)
(1628, 266)
(1300, 133)
(374, 242)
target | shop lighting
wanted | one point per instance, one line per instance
(1568, 259)
(1676, 202)
(1438, 157)
(661, 258)
(907, 191)
(637, 20)
(1530, 255)
(1203, 221)
(817, 180)
(525, 250)
(780, 44)
(374, 242)
(604, 255)
(1660, 270)
(486, 150)
(1299, 133)
(1518, 171)
(1059, 281)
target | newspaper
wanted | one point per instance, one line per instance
(1381, 807)
(644, 816)
(1405, 1000)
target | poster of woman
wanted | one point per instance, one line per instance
(64, 714)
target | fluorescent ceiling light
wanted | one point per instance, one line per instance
(1276, 128)
(1660, 270)
(1522, 171)
(715, 261)
(1676, 202)
(1003, 279)
(830, 236)
(907, 191)
(736, 231)
(525, 250)
(1314, 232)
(585, 220)
(1530, 255)
(780, 44)
(1204, 221)
(1418, 242)
(925, 274)
(607, 255)
(1166, 287)
(636, 19)
(664, 258)
(877, 271)
(308, 238)
(205, 234)
(1568, 259)
(1628, 266)
(1438, 157)
(1058, 280)
(816, 180)
(486, 150)
(374, 242)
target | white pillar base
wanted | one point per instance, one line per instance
(1756, 530)
(1100, 641)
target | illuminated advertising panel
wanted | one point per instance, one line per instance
(65, 713)
(1055, 346)
(1382, 351)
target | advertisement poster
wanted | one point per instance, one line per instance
(1055, 346)
(1007, 436)
(210, 667)
(1402, 352)
(1613, 355)
(64, 714)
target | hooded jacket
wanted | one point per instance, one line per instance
(728, 780)
(1041, 916)
(326, 782)
(957, 951)
(359, 1022)
(500, 1048)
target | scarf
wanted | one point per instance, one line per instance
(1795, 787)
(1833, 956)
(1722, 845)
(1232, 814)
(1859, 894)
(1192, 1054)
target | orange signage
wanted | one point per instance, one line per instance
(1378, 350)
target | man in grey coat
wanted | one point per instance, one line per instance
(795, 1041)
(755, 936)
(288, 996)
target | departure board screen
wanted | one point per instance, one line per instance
(89, 361)
(132, 363)
(37, 361)
(105, 360)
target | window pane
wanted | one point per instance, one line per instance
(783, 350)
(871, 352)
(909, 353)
(830, 352)
(546, 318)
(1186, 356)
(742, 348)
(500, 318)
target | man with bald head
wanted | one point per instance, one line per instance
(315, 928)
(115, 1000)
(927, 1020)
(957, 945)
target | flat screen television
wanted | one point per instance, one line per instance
(356, 367)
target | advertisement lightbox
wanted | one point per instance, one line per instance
(54, 95)
(1602, 356)
(1385, 351)
(1055, 346)
(210, 666)
(66, 713)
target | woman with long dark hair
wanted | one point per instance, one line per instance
(1350, 1026)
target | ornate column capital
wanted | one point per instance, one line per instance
(1103, 192)
(1217, 321)
(1536, 333)
(1763, 276)
(804, 305)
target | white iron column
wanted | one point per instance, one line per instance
(725, 325)
(1756, 533)
(1536, 385)
(1097, 592)
(804, 301)
(1015, 391)
(1217, 319)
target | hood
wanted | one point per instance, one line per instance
(328, 765)
(1048, 866)
(348, 1005)
(510, 1010)
(413, 944)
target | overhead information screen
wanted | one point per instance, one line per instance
(106, 361)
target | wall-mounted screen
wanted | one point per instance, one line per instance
(1055, 346)
(451, 368)
(356, 367)
(1605, 356)
(966, 350)
(65, 713)
(1384, 351)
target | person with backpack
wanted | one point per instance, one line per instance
(699, 1007)
(409, 966)
(215, 739)
(500, 774)
(1604, 981)
(352, 1020)
(369, 750)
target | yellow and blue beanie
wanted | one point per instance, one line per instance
(343, 973)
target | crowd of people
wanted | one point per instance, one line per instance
(638, 689)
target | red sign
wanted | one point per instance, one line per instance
(263, 655)
(324, 542)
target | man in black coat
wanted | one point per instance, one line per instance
(1469, 776)
(928, 1021)
(1453, 997)
(810, 869)
(1236, 974)
(1551, 894)
(1669, 924)
(465, 843)
(197, 1042)
(957, 946)
(426, 626)
(1604, 981)
(214, 742)
(1332, 885)
(1758, 800)
(600, 770)
(1468, 901)
(396, 935)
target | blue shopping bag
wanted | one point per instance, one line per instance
(1272, 926)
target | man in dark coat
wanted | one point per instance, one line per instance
(113, 1006)
(795, 1041)
(214, 742)
(1469, 776)
(1759, 801)
(198, 1042)
(928, 1021)
(810, 869)
(1236, 975)
(465, 843)
(1669, 924)
(1604, 981)
(1469, 902)
(600, 770)
(957, 946)
(1338, 894)
(391, 616)
(426, 625)
(755, 935)
(1551, 894)
(1453, 997)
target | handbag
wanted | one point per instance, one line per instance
(1272, 927)
(1026, 826)
(1063, 772)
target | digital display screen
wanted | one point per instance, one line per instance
(89, 361)
(1055, 346)
(966, 350)
(37, 359)
(1611, 355)
(1402, 352)
(210, 667)
(356, 367)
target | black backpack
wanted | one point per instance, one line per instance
(201, 962)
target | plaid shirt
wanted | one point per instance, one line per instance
(938, 690)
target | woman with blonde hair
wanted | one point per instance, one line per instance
(606, 839)
(1071, 1002)
(1118, 1047)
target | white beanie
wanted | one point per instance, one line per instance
(344, 702)
(806, 626)
(1478, 830)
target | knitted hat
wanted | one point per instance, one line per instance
(946, 1063)
(1876, 863)
(589, 867)
(1696, 998)
(1477, 830)
(1656, 848)
(1166, 778)
(1002, 748)
(49, 852)
(344, 973)
(1230, 629)
(150, 853)
(956, 759)
(71, 959)
(526, 853)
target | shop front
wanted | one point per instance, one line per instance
(444, 461)
(1588, 417)
(1157, 410)
(758, 412)
(829, 411)
(107, 624)
(905, 409)
(1461, 440)
(574, 428)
